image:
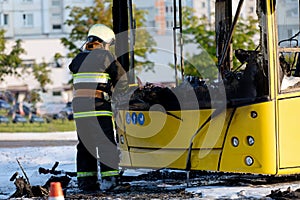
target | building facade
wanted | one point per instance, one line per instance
(162, 16)
(288, 19)
(36, 18)
(39, 24)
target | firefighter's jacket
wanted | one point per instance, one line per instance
(98, 70)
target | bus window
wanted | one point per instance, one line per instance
(288, 29)
(249, 64)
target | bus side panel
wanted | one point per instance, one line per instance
(174, 159)
(254, 123)
(125, 160)
(289, 133)
(170, 130)
(162, 140)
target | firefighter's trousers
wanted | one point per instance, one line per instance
(96, 138)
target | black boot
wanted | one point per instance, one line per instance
(88, 184)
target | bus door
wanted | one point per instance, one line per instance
(288, 31)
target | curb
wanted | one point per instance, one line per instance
(49, 136)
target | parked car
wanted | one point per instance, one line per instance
(58, 115)
(26, 109)
(67, 112)
(36, 119)
(3, 119)
(4, 105)
(51, 110)
(19, 119)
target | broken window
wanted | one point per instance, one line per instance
(288, 23)
(236, 73)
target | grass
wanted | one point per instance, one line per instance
(53, 126)
(58, 125)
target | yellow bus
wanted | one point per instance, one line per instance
(249, 124)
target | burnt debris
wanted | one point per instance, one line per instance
(25, 190)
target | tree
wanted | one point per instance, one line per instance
(57, 59)
(10, 62)
(81, 18)
(200, 31)
(245, 33)
(34, 97)
(41, 74)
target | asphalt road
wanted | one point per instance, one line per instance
(34, 143)
(14, 140)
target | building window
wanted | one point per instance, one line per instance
(203, 4)
(4, 19)
(56, 26)
(27, 1)
(28, 19)
(55, 2)
(56, 93)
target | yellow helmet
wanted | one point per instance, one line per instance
(101, 32)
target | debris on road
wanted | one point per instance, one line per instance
(26, 190)
(287, 194)
(144, 183)
(56, 172)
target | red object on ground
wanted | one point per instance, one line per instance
(56, 192)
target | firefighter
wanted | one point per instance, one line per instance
(96, 73)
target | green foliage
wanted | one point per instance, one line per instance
(200, 32)
(9, 61)
(200, 65)
(33, 97)
(244, 36)
(82, 18)
(41, 74)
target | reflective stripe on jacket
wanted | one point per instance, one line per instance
(93, 77)
(92, 114)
